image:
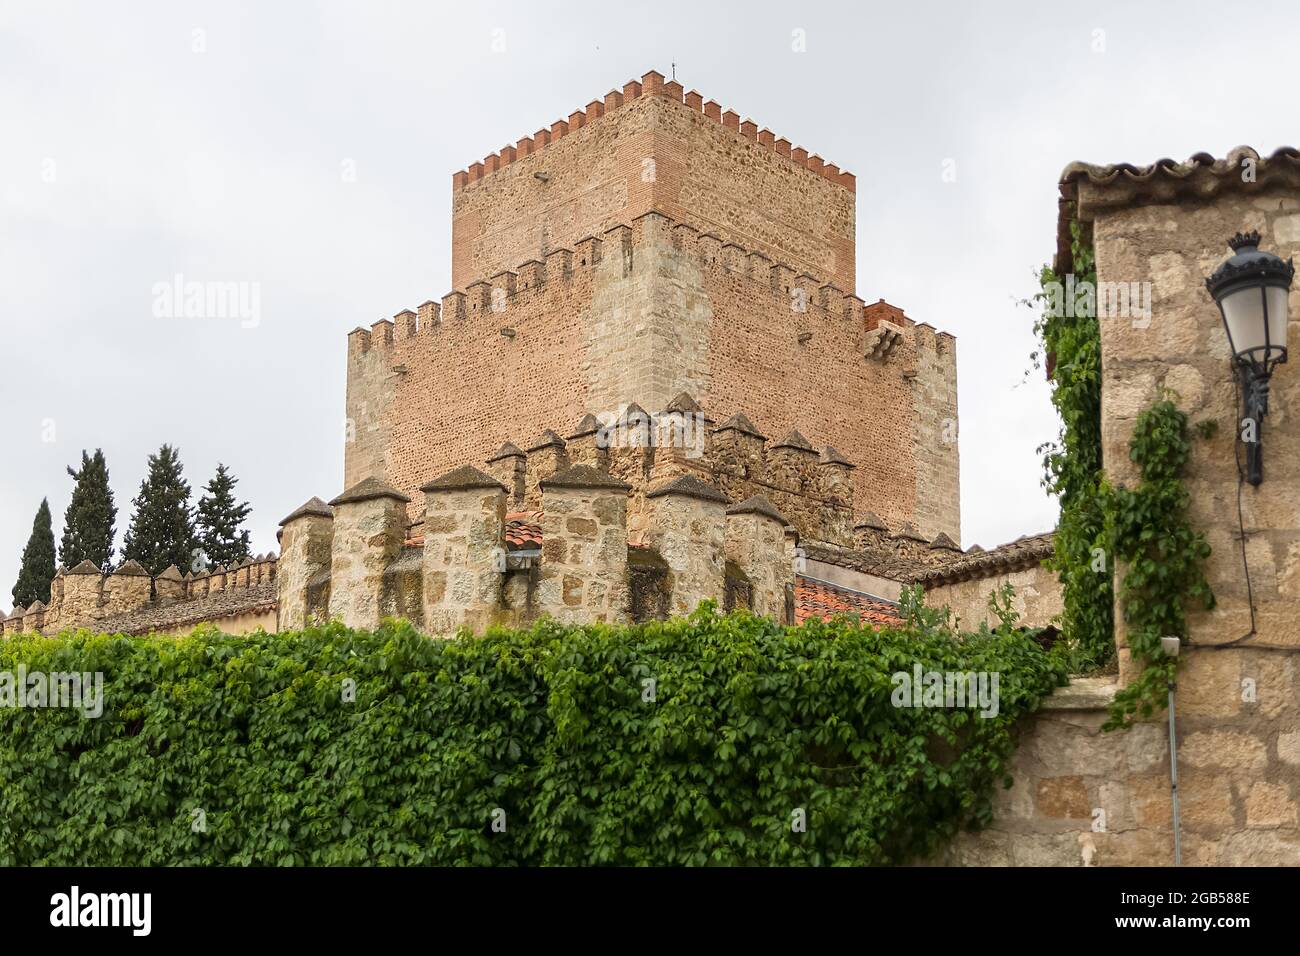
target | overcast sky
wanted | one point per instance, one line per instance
(133, 148)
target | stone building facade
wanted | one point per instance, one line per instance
(1238, 695)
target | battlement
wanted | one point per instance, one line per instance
(652, 84)
(469, 564)
(128, 600)
(812, 487)
(626, 515)
(497, 295)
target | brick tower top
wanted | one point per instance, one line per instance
(651, 147)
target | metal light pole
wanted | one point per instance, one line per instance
(1171, 647)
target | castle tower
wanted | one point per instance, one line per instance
(646, 246)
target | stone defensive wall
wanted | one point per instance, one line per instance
(238, 598)
(468, 563)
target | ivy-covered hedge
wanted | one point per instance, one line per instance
(214, 749)
(1072, 467)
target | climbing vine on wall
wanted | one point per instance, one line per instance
(1160, 552)
(1144, 529)
(1072, 466)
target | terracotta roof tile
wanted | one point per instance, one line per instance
(523, 530)
(818, 599)
(1087, 188)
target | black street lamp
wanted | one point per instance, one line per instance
(1251, 289)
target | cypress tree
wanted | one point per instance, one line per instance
(219, 520)
(88, 523)
(162, 527)
(37, 569)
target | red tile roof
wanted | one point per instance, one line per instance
(523, 530)
(818, 599)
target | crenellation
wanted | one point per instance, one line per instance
(584, 567)
(369, 526)
(804, 295)
(559, 264)
(755, 541)
(734, 258)
(708, 248)
(34, 617)
(589, 445)
(545, 456)
(170, 586)
(358, 342)
(509, 466)
(532, 274)
(429, 315)
(453, 307)
(463, 561)
(306, 542)
(478, 298)
(127, 589)
(589, 251)
(688, 530)
(381, 333)
(407, 324)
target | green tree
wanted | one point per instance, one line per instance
(219, 520)
(37, 569)
(88, 523)
(162, 527)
